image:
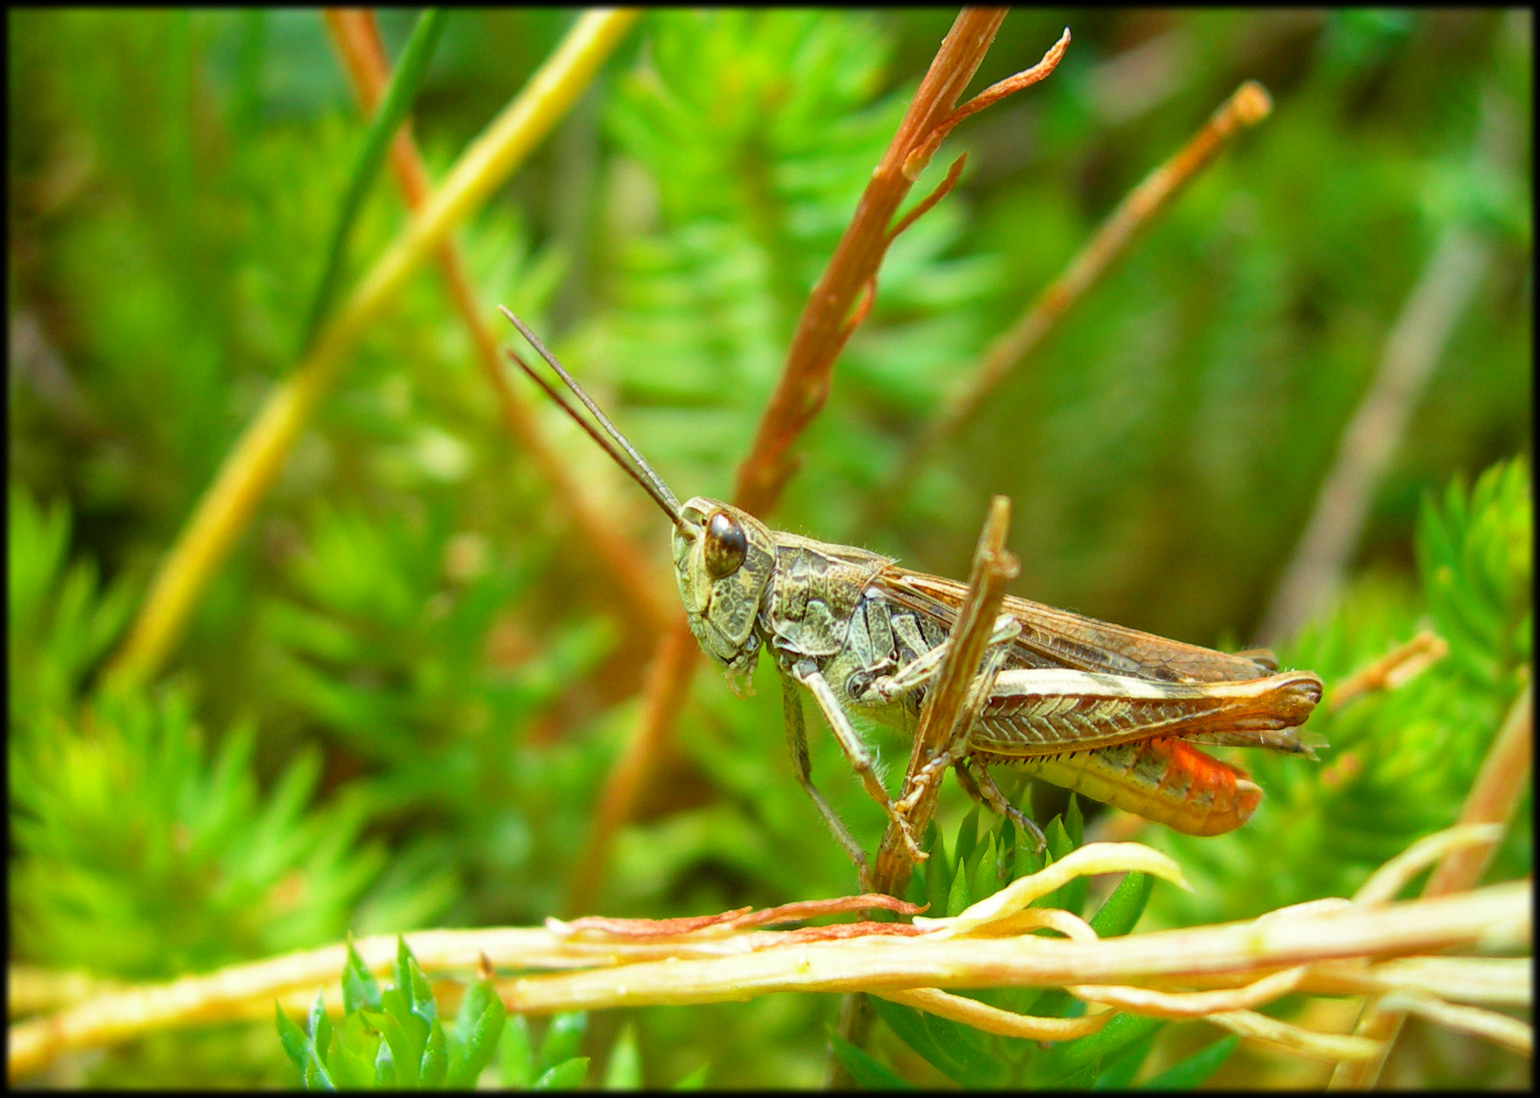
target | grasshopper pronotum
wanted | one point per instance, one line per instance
(1108, 711)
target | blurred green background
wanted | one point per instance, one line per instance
(398, 699)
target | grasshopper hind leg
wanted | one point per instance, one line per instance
(982, 788)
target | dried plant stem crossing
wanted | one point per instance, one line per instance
(1343, 948)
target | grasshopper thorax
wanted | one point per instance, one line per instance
(723, 560)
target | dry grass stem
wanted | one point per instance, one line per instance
(1331, 1047)
(357, 42)
(1394, 875)
(1495, 981)
(663, 695)
(1191, 1004)
(1494, 796)
(1319, 564)
(32, 990)
(1392, 669)
(917, 160)
(1067, 923)
(1086, 861)
(928, 203)
(249, 470)
(598, 964)
(1249, 105)
(1489, 1024)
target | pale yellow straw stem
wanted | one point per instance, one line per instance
(227, 507)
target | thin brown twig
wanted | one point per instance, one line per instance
(798, 397)
(926, 204)
(357, 42)
(1249, 105)
(916, 161)
(1392, 669)
(821, 331)
(1491, 800)
(668, 682)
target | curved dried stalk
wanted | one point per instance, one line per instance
(1328, 949)
(227, 507)
(1331, 1047)
(668, 683)
(822, 329)
(990, 1019)
(1405, 662)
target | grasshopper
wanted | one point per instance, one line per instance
(1110, 712)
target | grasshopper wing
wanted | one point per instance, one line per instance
(1058, 638)
(1075, 684)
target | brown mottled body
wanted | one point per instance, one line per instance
(1111, 712)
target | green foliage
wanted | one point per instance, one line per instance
(206, 871)
(388, 645)
(392, 1039)
(201, 870)
(398, 700)
(59, 624)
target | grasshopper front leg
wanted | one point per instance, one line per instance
(806, 672)
(796, 741)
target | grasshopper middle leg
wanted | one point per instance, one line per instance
(982, 788)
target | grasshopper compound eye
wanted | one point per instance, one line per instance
(726, 545)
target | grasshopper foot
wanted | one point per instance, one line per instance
(900, 819)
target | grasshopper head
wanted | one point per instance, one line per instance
(723, 558)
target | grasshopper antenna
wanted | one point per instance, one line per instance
(650, 481)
